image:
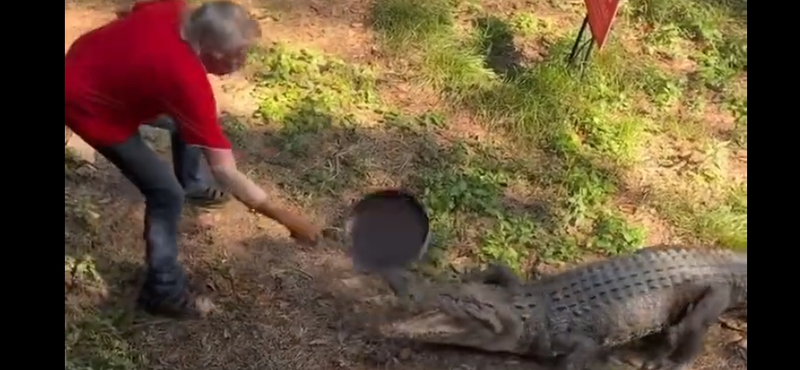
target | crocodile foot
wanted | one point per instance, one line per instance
(740, 347)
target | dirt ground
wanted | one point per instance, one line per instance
(280, 306)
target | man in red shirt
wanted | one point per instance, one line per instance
(153, 61)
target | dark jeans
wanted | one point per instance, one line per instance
(164, 188)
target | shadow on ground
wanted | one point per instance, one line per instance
(502, 55)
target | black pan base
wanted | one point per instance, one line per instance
(389, 229)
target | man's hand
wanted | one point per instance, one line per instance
(223, 166)
(303, 231)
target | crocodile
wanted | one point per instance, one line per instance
(672, 293)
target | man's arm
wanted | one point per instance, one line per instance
(223, 167)
(189, 99)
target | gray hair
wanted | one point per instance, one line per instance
(220, 26)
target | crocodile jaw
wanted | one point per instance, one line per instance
(441, 328)
(429, 325)
(474, 317)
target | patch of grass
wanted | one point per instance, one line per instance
(405, 22)
(451, 181)
(526, 24)
(721, 222)
(305, 92)
(296, 80)
(664, 90)
(234, 129)
(720, 38)
(92, 339)
(737, 105)
(509, 241)
(530, 104)
(454, 66)
(614, 235)
(495, 38)
(93, 342)
(422, 122)
(694, 19)
(467, 189)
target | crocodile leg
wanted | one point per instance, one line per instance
(685, 340)
(582, 351)
(398, 281)
(656, 348)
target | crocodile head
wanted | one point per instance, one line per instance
(470, 315)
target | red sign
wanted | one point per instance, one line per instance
(601, 14)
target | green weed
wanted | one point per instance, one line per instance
(457, 185)
(93, 342)
(664, 90)
(738, 107)
(614, 235)
(587, 190)
(720, 39)
(509, 241)
(526, 24)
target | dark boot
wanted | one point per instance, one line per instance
(210, 198)
(169, 294)
(191, 171)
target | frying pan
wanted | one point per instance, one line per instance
(388, 229)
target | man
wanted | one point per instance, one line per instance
(153, 61)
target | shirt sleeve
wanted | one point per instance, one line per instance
(190, 102)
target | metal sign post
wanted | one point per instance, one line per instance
(600, 15)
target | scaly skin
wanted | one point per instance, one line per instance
(675, 291)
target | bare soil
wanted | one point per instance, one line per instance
(280, 306)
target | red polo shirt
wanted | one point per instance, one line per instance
(133, 69)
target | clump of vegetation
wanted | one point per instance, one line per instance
(93, 341)
(404, 22)
(305, 91)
